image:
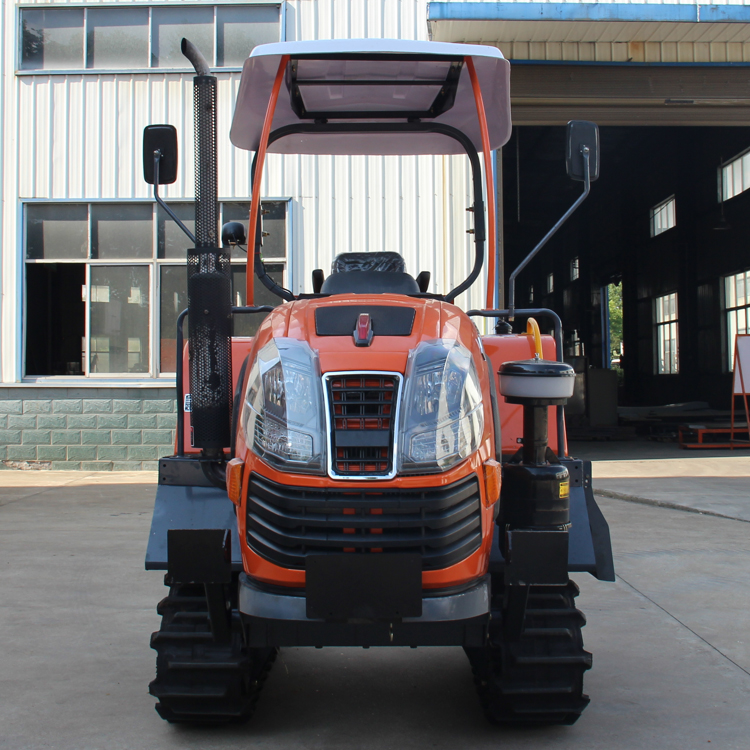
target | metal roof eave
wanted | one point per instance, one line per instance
(498, 23)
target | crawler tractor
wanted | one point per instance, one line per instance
(368, 470)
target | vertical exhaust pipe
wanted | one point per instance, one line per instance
(209, 281)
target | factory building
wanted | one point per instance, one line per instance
(92, 271)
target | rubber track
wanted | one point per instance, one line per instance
(539, 679)
(199, 681)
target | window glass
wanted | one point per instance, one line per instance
(119, 319)
(121, 231)
(115, 299)
(575, 269)
(173, 300)
(170, 25)
(737, 306)
(172, 242)
(274, 224)
(237, 212)
(667, 334)
(51, 39)
(117, 38)
(57, 231)
(240, 28)
(663, 217)
(247, 325)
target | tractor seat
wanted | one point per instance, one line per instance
(369, 273)
(383, 262)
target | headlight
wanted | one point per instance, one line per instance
(442, 413)
(283, 416)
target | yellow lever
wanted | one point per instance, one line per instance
(532, 329)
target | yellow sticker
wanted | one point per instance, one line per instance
(564, 489)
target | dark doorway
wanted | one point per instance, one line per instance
(669, 220)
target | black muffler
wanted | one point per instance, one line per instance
(208, 280)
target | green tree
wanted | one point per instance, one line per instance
(615, 320)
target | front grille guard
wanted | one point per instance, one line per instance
(284, 524)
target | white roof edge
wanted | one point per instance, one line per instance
(375, 46)
(260, 69)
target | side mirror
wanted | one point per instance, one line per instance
(233, 233)
(161, 138)
(582, 133)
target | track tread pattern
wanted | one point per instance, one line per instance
(199, 680)
(539, 679)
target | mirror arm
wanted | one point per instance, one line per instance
(546, 238)
(157, 197)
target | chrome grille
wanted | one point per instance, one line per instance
(362, 408)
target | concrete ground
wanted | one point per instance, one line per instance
(670, 638)
(708, 481)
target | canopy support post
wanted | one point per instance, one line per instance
(490, 181)
(257, 179)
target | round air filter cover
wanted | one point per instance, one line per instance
(536, 378)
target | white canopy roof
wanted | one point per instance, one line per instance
(379, 80)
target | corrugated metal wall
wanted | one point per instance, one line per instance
(79, 137)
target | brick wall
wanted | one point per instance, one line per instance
(92, 429)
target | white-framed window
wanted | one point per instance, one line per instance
(575, 268)
(105, 282)
(531, 294)
(737, 309)
(550, 283)
(734, 176)
(667, 335)
(141, 37)
(663, 216)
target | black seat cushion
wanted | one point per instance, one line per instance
(370, 282)
(384, 262)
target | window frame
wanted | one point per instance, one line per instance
(666, 324)
(720, 177)
(148, 68)
(728, 352)
(575, 268)
(154, 264)
(87, 325)
(654, 210)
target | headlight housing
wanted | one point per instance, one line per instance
(442, 413)
(282, 417)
